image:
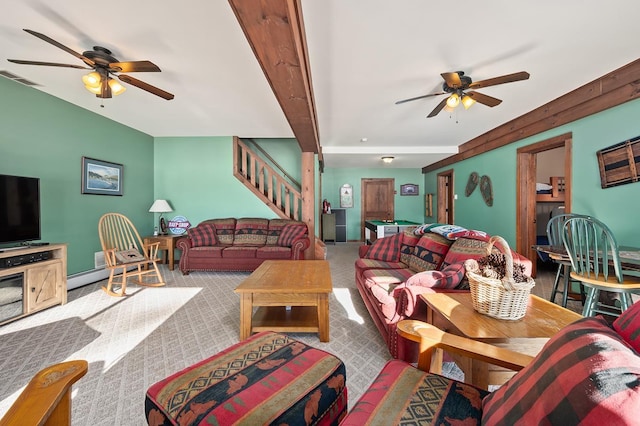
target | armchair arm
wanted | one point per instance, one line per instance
(363, 250)
(430, 337)
(47, 398)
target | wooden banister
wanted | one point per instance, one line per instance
(257, 175)
(47, 398)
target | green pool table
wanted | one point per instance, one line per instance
(374, 229)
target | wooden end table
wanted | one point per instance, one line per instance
(454, 313)
(167, 243)
(291, 295)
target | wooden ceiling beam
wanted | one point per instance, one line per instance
(608, 91)
(275, 31)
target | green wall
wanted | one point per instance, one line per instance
(195, 174)
(44, 137)
(615, 206)
(406, 207)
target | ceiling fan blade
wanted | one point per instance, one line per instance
(509, 78)
(484, 99)
(438, 108)
(135, 66)
(452, 79)
(50, 64)
(61, 46)
(146, 86)
(419, 97)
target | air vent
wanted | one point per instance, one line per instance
(12, 76)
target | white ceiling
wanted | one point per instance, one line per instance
(365, 55)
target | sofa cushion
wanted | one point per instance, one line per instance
(207, 251)
(251, 232)
(362, 264)
(466, 248)
(224, 229)
(373, 276)
(429, 252)
(239, 252)
(273, 252)
(386, 249)
(449, 277)
(203, 235)
(290, 233)
(409, 241)
(585, 374)
(628, 326)
(275, 228)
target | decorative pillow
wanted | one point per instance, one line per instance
(290, 233)
(386, 249)
(203, 235)
(429, 252)
(628, 326)
(585, 374)
(423, 229)
(449, 277)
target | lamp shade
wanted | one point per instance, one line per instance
(160, 206)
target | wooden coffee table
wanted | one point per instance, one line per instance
(291, 295)
(454, 313)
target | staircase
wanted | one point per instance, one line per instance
(265, 182)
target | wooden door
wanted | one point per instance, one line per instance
(445, 197)
(377, 200)
(526, 191)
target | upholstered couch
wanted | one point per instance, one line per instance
(242, 244)
(393, 272)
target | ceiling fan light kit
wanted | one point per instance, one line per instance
(104, 66)
(456, 85)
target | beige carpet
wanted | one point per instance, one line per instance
(130, 343)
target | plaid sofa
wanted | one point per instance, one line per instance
(241, 244)
(393, 272)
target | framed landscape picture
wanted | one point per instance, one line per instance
(101, 177)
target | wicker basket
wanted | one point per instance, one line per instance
(503, 299)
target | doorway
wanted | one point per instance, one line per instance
(526, 200)
(377, 201)
(445, 197)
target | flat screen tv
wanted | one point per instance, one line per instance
(19, 209)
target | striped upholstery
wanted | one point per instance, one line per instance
(585, 374)
(386, 249)
(266, 379)
(290, 233)
(402, 394)
(628, 326)
(251, 232)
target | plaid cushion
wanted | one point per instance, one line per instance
(275, 228)
(628, 326)
(585, 374)
(203, 235)
(449, 277)
(386, 249)
(290, 233)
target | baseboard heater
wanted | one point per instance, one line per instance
(99, 273)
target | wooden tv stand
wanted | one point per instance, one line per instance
(44, 283)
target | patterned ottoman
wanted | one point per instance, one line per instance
(267, 379)
(404, 395)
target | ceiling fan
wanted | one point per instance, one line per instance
(456, 84)
(99, 81)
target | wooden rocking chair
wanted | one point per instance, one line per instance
(123, 249)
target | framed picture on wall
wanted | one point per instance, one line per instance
(101, 177)
(346, 196)
(409, 189)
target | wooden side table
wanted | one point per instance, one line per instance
(454, 313)
(167, 243)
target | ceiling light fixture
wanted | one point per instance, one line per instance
(453, 101)
(467, 101)
(387, 159)
(94, 80)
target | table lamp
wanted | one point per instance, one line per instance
(161, 206)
